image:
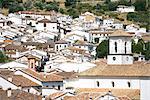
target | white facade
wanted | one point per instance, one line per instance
(59, 47)
(104, 82)
(47, 26)
(123, 9)
(120, 50)
(6, 84)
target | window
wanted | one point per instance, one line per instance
(31, 65)
(127, 58)
(116, 47)
(57, 47)
(114, 58)
(125, 47)
(97, 83)
(28, 90)
(113, 84)
(129, 84)
(53, 86)
(96, 40)
(44, 24)
(58, 87)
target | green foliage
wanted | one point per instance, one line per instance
(73, 12)
(39, 4)
(138, 48)
(52, 6)
(3, 57)
(142, 17)
(102, 49)
(28, 5)
(147, 51)
(140, 5)
(70, 3)
(61, 10)
(141, 47)
(124, 2)
(112, 6)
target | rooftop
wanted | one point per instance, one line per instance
(138, 69)
(18, 95)
(134, 94)
(120, 33)
(48, 77)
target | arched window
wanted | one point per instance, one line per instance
(116, 47)
(97, 83)
(113, 84)
(58, 87)
(125, 47)
(129, 84)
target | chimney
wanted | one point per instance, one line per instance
(9, 92)
(44, 76)
(10, 79)
(19, 87)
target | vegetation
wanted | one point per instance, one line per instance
(140, 48)
(102, 49)
(3, 57)
(143, 18)
(74, 8)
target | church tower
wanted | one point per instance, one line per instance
(120, 48)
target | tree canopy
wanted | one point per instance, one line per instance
(3, 57)
(102, 49)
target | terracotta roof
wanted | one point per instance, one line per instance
(67, 75)
(19, 80)
(69, 35)
(84, 43)
(121, 33)
(37, 13)
(48, 77)
(83, 96)
(56, 95)
(146, 37)
(18, 95)
(99, 32)
(5, 72)
(134, 94)
(74, 48)
(46, 21)
(61, 42)
(15, 47)
(132, 70)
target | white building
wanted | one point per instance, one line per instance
(120, 48)
(46, 24)
(124, 9)
(116, 73)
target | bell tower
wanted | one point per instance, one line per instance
(120, 48)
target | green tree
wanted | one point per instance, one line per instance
(61, 10)
(52, 6)
(140, 5)
(28, 5)
(125, 2)
(73, 12)
(138, 47)
(112, 6)
(147, 51)
(14, 7)
(39, 4)
(3, 57)
(102, 49)
(70, 3)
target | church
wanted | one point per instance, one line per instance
(118, 73)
